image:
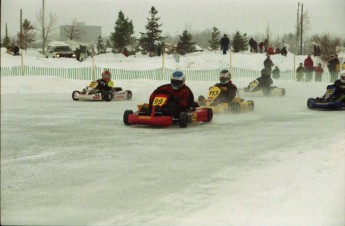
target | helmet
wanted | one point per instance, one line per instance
(264, 72)
(177, 79)
(106, 75)
(342, 78)
(224, 76)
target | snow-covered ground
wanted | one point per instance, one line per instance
(66, 162)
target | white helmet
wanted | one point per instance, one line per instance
(177, 79)
(224, 76)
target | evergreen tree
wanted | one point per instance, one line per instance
(185, 43)
(214, 42)
(123, 32)
(240, 42)
(6, 40)
(28, 34)
(149, 40)
(100, 45)
(108, 44)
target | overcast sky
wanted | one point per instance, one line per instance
(247, 16)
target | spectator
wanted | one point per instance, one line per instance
(318, 73)
(317, 51)
(270, 50)
(276, 72)
(266, 44)
(255, 47)
(268, 64)
(77, 54)
(224, 44)
(277, 50)
(300, 73)
(284, 51)
(16, 51)
(309, 68)
(261, 47)
(332, 68)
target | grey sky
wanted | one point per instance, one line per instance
(247, 16)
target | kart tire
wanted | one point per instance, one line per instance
(76, 92)
(209, 114)
(107, 96)
(129, 94)
(125, 117)
(183, 119)
(251, 104)
(235, 107)
(310, 103)
(283, 92)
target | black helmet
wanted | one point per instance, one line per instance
(264, 72)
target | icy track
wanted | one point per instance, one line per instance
(75, 163)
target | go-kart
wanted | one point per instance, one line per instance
(236, 105)
(328, 101)
(254, 90)
(154, 115)
(92, 93)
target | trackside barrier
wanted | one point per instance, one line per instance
(85, 73)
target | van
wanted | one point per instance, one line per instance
(58, 49)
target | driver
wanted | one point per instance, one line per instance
(180, 95)
(265, 82)
(105, 83)
(228, 89)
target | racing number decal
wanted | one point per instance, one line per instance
(93, 84)
(194, 117)
(328, 93)
(159, 101)
(213, 93)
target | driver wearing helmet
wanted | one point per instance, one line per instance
(182, 97)
(340, 87)
(105, 83)
(228, 89)
(265, 81)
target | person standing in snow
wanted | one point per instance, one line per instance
(300, 73)
(283, 51)
(276, 72)
(318, 73)
(268, 64)
(309, 68)
(224, 44)
(332, 68)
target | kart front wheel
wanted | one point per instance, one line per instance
(209, 114)
(108, 96)
(183, 120)
(125, 117)
(310, 103)
(129, 94)
(75, 95)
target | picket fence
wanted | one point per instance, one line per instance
(86, 73)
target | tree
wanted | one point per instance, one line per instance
(123, 32)
(185, 44)
(214, 42)
(46, 28)
(6, 40)
(28, 34)
(240, 42)
(71, 31)
(328, 45)
(149, 40)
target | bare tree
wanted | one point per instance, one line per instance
(26, 37)
(72, 32)
(328, 45)
(268, 33)
(46, 26)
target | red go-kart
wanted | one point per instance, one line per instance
(158, 118)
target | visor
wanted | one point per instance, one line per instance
(176, 83)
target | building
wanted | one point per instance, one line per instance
(86, 33)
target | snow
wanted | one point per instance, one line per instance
(65, 162)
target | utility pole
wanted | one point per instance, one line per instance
(301, 47)
(21, 28)
(297, 29)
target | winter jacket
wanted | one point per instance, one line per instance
(332, 65)
(265, 81)
(300, 70)
(104, 85)
(268, 64)
(183, 96)
(318, 70)
(224, 43)
(308, 64)
(228, 91)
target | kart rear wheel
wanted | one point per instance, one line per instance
(108, 96)
(129, 95)
(125, 117)
(183, 119)
(209, 114)
(75, 94)
(283, 92)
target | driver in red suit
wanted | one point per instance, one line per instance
(180, 96)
